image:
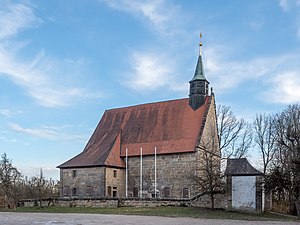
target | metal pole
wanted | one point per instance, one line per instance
(141, 175)
(155, 172)
(126, 191)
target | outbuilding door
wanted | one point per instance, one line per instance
(244, 193)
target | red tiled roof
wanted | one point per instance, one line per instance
(170, 126)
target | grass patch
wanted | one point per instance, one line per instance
(162, 211)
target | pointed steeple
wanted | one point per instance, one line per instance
(199, 72)
(198, 84)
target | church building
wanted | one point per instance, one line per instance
(150, 150)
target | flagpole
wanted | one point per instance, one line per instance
(141, 175)
(155, 172)
(126, 190)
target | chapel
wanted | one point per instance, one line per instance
(150, 150)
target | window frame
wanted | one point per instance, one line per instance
(167, 192)
(185, 192)
(115, 173)
(115, 192)
(74, 173)
(74, 191)
(109, 191)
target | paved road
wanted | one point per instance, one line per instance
(93, 219)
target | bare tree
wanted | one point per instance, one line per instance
(287, 131)
(9, 180)
(235, 135)
(264, 138)
(207, 176)
(39, 184)
(40, 188)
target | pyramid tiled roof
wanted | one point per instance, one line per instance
(240, 167)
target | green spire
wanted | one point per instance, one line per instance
(199, 72)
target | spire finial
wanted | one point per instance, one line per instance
(200, 45)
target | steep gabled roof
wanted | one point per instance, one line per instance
(240, 167)
(170, 126)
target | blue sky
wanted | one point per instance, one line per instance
(62, 63)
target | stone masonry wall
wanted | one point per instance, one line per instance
(115, 180)
(173, 175)
(209, 136)
(126, 202)
(83, 182)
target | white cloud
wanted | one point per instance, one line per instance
(292, 7)
(40, 133)
(15, 18)
(160, 13)
(271, 71)
(257, 24)
(6, 112)
(153, 69)
(9, 113)
(284, 5)
(48, 133)
(285, 88)
(5, 139)
(287, 5)
(42, 78)
(150, 71)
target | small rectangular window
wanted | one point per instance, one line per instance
(115, 192)
(109, 191)
(185, 192)
(167, 192)
(74, 192)
(74, 173)
(115, 174)
(135, 192)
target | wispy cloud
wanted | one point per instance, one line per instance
(284, 4)
(287, 5)
(8, 140)
(40, 77)
(149, 71)
(285, 88)
(15, 18)
(48, 133)
(292, 7)
(162, 14)
(6, 112)
(152, 69)
(257, 24)
(275, 72)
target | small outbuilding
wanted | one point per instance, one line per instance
(244, 186)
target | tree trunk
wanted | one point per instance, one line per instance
(297, 204)
(212, 201)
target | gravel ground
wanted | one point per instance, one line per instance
(11, 218)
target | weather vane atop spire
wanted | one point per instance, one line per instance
(200, 45)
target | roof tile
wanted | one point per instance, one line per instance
(170, 126)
